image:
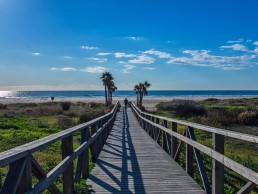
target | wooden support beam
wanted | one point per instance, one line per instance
(13, 177)
(217, 167)
(39, 173)
(94, 144)
(179, 148)
(189, 155)
(200, 164)
(174, 140)
(247, 188)
(67, 149)
(26, 180)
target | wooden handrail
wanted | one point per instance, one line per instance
(226, 133)
(23, 164)
(147, 120)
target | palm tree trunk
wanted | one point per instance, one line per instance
(141, 96)
(106, 93)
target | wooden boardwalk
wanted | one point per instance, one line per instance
(132, 162)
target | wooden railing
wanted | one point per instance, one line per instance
(157, 128)
(22, 164)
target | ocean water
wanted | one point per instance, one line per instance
(152, 93)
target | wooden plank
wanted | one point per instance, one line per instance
(67, 150)
(217, 167)
(174, 140)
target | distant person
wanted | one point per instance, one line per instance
(126, 102)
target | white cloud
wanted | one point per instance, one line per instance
(236, 41)
(204, 58)
(103, 54)
(68, 69)
(89, 47)
(63, 69)
(36, 54)
(121, 62)
(120, 55)
(256, 43)
(236, 47)
(134, 38)
(67, 57)
(142, 59)
(101, 60)
(159, 54)
(94, 69)
(128, 67)
(149, 68)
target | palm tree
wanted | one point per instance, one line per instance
(106, 79)
(137, 92)
(141, 90)
(111, 88)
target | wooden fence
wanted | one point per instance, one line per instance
(172, 142)
(22, 164)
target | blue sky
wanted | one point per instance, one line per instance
(179, 44)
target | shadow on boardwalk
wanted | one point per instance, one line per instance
(119, 147)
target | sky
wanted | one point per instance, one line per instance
(173, 44)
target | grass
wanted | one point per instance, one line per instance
(23, 123)
(223, 114)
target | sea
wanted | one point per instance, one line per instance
(129, 93)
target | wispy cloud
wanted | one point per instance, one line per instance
(204, 58)
(120, 55)
(128, 67)
(142, 59)
(159, 54)
(101, 60)
(36, 54)
(256, 43)
(103, 54)
(67, 57)
(95, 69)
(236, 47)
(89, 47)
(149, 68)
(236, 41)
(134, 38)
(63, 69)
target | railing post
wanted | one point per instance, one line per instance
(218, 168)
(67, 149)
(189, 154)
(157, 132)
(93, 144)
(26, 180)
(164, 136)
(85, 160)
(174, 140)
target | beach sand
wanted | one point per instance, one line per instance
(148, 102)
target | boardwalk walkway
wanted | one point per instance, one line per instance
(131, 162)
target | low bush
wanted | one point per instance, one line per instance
(3, 106)
(64, 122)
(248, 118)
(65, 105)
(85, 117)
(188, 109)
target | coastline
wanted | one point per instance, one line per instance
(149, 101)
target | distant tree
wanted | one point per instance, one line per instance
(111, 89)
(141, 90)
(106, 79)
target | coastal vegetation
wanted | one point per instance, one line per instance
(239, 115)
(141, 90)
(109, 85)
(25, 122)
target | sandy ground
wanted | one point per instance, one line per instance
(148, 102)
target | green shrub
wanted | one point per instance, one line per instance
(85, 117)
(188, 109)
(65, 105)
(64, 122)
(248, 118)
(7, 125)
(3, 106)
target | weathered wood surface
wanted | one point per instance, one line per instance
(132, 162)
